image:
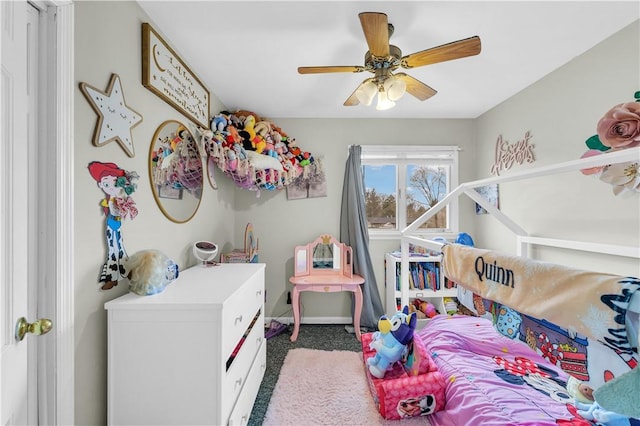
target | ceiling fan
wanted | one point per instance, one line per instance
(382, 59)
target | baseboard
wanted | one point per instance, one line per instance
(311, 320)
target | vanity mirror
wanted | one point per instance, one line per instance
(325, 255)
(175, 171)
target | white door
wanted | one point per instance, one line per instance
(13, 208)
(19, 219)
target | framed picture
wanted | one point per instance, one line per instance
(165, 191)
(166, 75)
(490, 192)
(310, 185)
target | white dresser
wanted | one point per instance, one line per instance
(193, 354)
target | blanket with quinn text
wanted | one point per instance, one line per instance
(591, 303)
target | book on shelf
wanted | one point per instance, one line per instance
(422, 276)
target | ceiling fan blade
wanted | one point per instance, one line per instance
(416, 87)
(376, 31)
(328, 69)
(446, 52)
(353, 99)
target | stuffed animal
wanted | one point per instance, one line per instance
(580, 390)
(602, 416)
(621, 394)
(259, 144)
(249, 124)
(232, 160)
(219, 123)
(280, 147)
(232, 135)
(150, 271)
(242, 114)
(263, 128)
(390, 342)
(245, 138)
(241, 153)
(425, 307)
(305, 159)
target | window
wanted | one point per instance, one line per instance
(403, 182)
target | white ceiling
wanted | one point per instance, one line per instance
(247, 52)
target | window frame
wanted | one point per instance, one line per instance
(401, 156)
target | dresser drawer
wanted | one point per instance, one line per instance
(244, 404)
(239, 310)
(323, 288)
(235, 378)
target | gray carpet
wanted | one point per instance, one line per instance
(312, 336)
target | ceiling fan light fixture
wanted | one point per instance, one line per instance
(384, 102)
(395, 87)
(366, 92)
(383, 59)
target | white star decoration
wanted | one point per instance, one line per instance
(115, 118)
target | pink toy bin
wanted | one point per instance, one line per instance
(401, 393)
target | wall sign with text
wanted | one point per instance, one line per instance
(166, 75)
(507, 154)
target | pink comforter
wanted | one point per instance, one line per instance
(493, 380)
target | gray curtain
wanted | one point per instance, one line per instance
(354, 232)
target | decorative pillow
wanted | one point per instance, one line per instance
(261, 161)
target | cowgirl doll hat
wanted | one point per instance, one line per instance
(98, 170)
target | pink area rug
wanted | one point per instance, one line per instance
(325, 388)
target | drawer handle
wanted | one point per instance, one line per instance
(259, 339)
(238, 319)
(259, 292)
(238, 383)
(243, 420)
(326, 289)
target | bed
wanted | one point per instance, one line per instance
(536, 329)
(491, 379)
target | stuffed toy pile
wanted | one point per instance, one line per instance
(253, 151)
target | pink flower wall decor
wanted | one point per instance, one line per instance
(623, 177)
(620, 126)
(618, 129)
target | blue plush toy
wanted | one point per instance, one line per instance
(390, 342)
(150, 271)
(601, 416)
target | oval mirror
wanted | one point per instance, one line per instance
(175, 171)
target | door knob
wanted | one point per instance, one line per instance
(42, 326)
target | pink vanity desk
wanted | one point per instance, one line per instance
(325, 266)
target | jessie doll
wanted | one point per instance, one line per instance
(117, 185)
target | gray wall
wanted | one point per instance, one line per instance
(561, 111)
(108, 40)
(282, 224)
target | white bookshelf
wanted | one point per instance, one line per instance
(433, 291)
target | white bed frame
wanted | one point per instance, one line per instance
(524, 241)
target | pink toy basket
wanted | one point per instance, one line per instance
(401, 394)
